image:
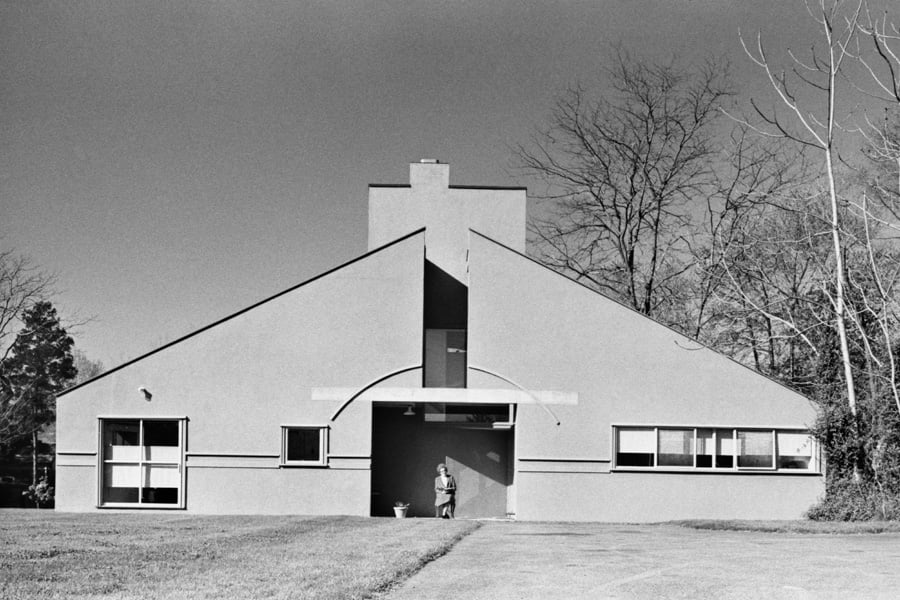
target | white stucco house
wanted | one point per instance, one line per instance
(444, 343)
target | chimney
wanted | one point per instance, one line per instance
(429, 172)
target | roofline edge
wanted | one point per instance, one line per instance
(649, 318)
(242, 311)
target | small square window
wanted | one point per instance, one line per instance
(675, 448)
(304, 446)
(635, 447)
(795, 450)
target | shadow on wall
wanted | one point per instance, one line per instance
(406, 451)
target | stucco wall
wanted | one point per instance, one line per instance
(654, 497)
(544, 331)
(239, 381)
(447, 213)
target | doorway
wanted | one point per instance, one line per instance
(407, 446)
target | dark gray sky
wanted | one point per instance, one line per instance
(174, 162)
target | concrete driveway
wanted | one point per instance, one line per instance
(506, 560)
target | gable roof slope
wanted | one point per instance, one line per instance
(243, 310)
(686, 339)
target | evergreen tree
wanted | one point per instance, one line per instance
(38, 365)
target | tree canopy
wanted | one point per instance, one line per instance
(38, 366)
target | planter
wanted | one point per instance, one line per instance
(400, 511)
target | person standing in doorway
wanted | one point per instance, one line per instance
(444, 494)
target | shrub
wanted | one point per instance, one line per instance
(848, 501)
(41, 492)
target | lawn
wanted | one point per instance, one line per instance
(53, 555)
(835, 527)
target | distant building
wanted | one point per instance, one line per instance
(443, 343)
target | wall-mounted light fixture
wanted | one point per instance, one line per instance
(146, 393)
(410, 411)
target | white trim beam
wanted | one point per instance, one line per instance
(448, 395)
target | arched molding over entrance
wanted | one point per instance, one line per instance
(370, 385)
(434, 395)
(519, 387)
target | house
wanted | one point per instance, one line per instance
(444, 343)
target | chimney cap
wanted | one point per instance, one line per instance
(429, 161)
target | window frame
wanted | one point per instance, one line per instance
(323, 446)
(436, 355)
(735, 467)
(142, 462)
(814, 451)
(773, 449)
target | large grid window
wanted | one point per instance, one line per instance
(714, 449)
(142, 463)
(304, 446)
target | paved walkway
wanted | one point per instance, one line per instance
(507, 560)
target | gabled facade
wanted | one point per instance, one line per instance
(444, 343)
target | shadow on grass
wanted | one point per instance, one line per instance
(412, 568)
(816, 527)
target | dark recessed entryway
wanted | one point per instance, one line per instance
(407, 448)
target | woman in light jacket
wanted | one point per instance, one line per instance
(444, 493)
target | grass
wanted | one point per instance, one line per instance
(823, 527)
(123, 556)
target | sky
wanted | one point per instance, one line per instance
(173, 162)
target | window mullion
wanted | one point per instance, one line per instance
(140, 461)
(181, 474)
(734, 449)
(694, 453)
(774, 463)
(655, 447)
(715, 447)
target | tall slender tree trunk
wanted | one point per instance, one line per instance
(840, 306)
(840, 274)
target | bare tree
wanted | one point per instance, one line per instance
(883, 148)
(755, 175)
(770, 261)
(815, 127)
(623, 175)
(22, 284)
(86, 368)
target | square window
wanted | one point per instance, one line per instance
(304, 446)
(755, 450)
(142, 463)
(795, 450)
(635, 447)
(676, 448)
